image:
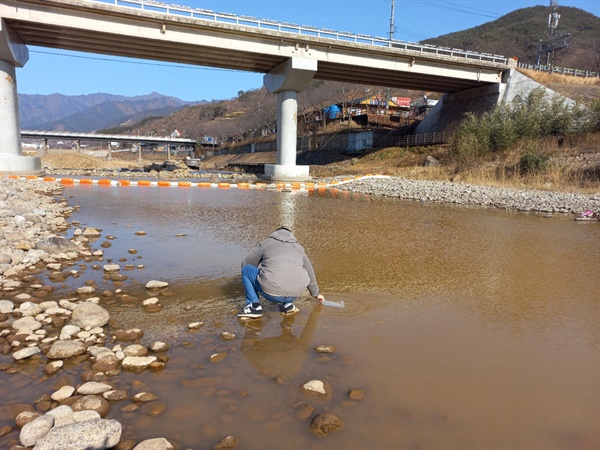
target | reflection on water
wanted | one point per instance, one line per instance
(465, 327)
(280, 356)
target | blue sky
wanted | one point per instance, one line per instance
(51, 71)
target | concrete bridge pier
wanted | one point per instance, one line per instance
(286, 80)
(13, 53)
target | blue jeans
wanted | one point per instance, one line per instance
(253, 290)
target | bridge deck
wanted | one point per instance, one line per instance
(97, 27)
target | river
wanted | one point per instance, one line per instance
(465, 327)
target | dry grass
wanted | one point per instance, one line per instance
(549, 78)
(572, 167)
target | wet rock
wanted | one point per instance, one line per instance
(68, 331)
(115, 395)
(111, 268)
(128, 335)
(32, 432)
(93, 387)
(53, 367)
(325, 349)
(154, 409)
(195, 325)
(126, 444)
(137, 363)
(25, 417)
(159, 347)
(155, 284)
(57, 244)
(154, 444)
(63, 393)
(135, 350)
(144, 397)
(105, 362)
(323, 424)
(356, 394)
(227, 443)
(89, 314)
(317, 388)
(62, 415)
(66, 349)
(129, 408)
(90, 232)
(95, 434)
(6, 306)
(86, 290)
(30, 309)
(226, 336)
(26, 323)
(12, 411)
(84, 416)
(150, 301)
(217, 357)
(92, 403)
(26, 353)
(304, 411)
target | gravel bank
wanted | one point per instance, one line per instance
(466, 194)
(30, 216)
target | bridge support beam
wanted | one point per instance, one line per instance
(451, 108)
(286, 80)
(13, 53)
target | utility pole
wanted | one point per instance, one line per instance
(392, 27)
(555, 40)
(391, 33)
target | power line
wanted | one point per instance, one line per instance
(136, 62)
(465, 11)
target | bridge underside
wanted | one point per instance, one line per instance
(59, 37)
(102, 28)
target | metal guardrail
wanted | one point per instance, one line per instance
(323, 33)
(559, 70)
(411, 140)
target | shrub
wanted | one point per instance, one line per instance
(537, 116)
(532, 162)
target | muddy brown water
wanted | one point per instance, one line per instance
(466, 328)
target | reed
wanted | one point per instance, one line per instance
(548, 78)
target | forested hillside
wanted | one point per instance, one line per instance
(519, 32)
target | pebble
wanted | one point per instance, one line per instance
(323, 424)
(467, 194)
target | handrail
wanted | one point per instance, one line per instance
(410, 140)
(309, 31)
(559, 70)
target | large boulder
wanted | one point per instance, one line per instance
(89, 314)
(66, 349)
(57, 244)
(95, 434)
(32, 432)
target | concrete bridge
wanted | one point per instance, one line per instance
(290, 56)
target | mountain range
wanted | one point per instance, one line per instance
(88, 113)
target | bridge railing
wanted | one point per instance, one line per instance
(267, 24)
(411, 140)
(560, 70)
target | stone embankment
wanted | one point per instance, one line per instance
(78, 332)
(466, 194)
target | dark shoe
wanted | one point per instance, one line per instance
(251, 311)
(289, 309)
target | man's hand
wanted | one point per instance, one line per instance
(320, 298)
